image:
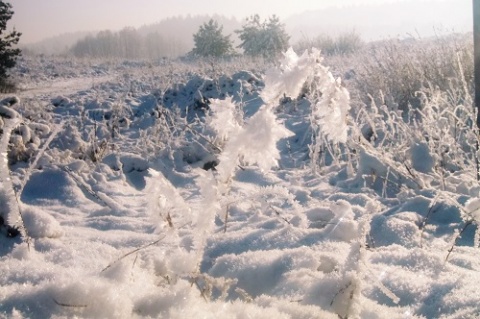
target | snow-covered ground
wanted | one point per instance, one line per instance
(301, 217)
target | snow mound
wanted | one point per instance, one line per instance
(40, 224)
(94, 298)
(7, 112)
(61, 101)
(126, 162)
(195, 94)
(421, 158)
(62, 188)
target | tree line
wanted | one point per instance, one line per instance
(258, 38)
(127, 43)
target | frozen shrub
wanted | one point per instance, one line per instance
(394, 71)
(345, 43)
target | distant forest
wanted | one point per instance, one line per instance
(169, 38)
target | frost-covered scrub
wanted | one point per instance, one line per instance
(223, 191)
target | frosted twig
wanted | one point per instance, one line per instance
(37, 158)
(424, 222)
(132, 252)
(226, 218)
(204, 138)
(414, 177)
(68, 305)
(169, 220)
(341, 291)
(468, 223)
(85, 187)
(244, 295)
(278, 214)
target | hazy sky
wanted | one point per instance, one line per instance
(39, 19)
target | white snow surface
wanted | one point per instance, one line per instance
(123, 222)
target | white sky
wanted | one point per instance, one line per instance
(39, 19)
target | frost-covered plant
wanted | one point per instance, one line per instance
(419, 150)
(399, 69)
(119, 118)
(25, 136)
(25, 141)
(329, 100)
(344, 43)
(226, 121)
(97, 147)
(255, 143)
(290, 77)
(330, 104)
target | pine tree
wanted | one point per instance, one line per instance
(8, 41)
(267, 39)
(210, 42)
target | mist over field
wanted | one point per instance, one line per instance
(371, 20)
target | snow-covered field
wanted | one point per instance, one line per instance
(310, 208)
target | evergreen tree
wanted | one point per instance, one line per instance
(267, 39)
(210, 42)
(8, 41)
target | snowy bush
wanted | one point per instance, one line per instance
(395, 70)
(419, 151)
(25, 137)
(330, 101)
(305, 76)
(344, 43)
